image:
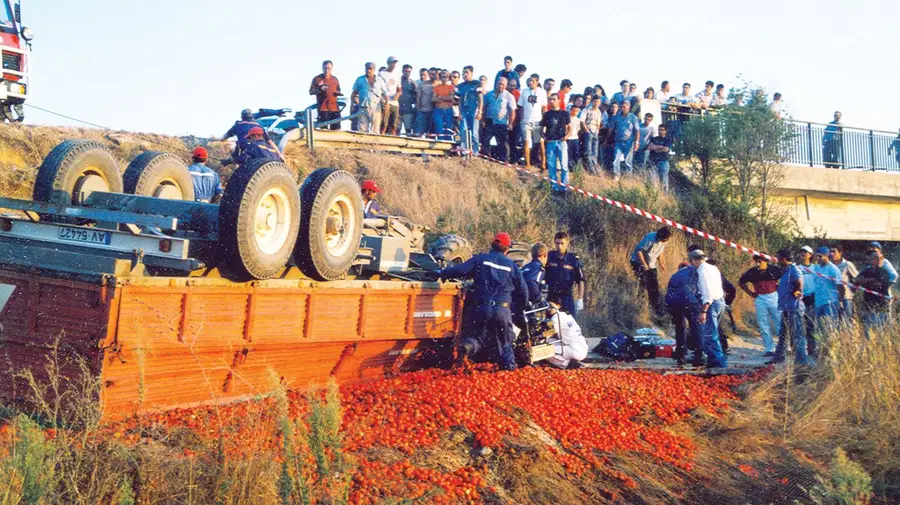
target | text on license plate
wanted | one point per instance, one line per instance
(84, 235)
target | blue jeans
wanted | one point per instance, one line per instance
(846, 314)
(641, 157)
(662, 170)
(442, 120)
(623, 152)
(469, 124)
(827, 316)
(792, 324)
(555, 159)
(873, 322)
(709, 334)
(423, 123)
(767, 318)
(592, 150)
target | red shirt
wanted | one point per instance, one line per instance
(442, 90)
(327, 100)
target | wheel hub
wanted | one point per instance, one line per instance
(168, 191)
(338, 225)
(272, 218)
(86, 184)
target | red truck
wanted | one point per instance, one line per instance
(15, 43)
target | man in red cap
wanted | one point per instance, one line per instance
(207, 186)
(255, 146)
(371, 208)
(498, 286)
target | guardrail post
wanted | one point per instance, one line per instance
(310, 128)
(809, 142)
(871, 149)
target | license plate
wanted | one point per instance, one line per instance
(543, 351)
(88, 235)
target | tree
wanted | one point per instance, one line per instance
(701, 143)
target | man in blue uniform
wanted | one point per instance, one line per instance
(498, 286)
(533, 272)
(683, 302)
(254, 146)
(564, 272)
(207, 186)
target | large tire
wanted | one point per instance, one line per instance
(259, 218)
(73, 170)
(331, 225)
(161, 175)
(451, 249)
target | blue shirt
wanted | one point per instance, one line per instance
(809, 278)
(826, 291)
(892, 275)
(497, 278)
(533, 273)
(468, 96)
(651, 247)
(240, 129)
(789, 277)
(206, 182)
(683, 290)
(499, 107)
(562, 272)
(626, 128)
(252, 150)
(372, 209)
(365, 93)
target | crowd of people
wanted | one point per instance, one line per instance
(795, 301)
(522, 117)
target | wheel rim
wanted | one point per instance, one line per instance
(339, 225)
(272, 221)
(88, 181)
(168, 191)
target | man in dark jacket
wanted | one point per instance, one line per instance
(498, 286)
(683, 303)
(533, 272)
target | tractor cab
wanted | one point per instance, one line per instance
(15, 43)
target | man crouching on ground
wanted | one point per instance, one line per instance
(498, 286)
(572, 347)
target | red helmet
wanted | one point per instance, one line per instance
(502, 239)
(370, 186)
(200, 153)
(256, 130)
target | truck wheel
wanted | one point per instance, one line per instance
(451, 249)
(161, 175)
(73, 170)
(518, 254)
(259, 217)
(331, 226)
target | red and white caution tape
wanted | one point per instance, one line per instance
(660, 219)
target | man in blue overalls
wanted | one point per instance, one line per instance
(564, 272)
(254, 146)
(498, 286)
(207, 186)
(533, 272)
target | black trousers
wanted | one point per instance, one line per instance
(687, 330)
(649, 279)
(809, 302)
(328, 116)
(500, 133)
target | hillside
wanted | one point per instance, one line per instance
(532, 436)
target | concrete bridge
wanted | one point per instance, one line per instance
(842, 204)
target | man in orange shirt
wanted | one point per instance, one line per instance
(442, 117)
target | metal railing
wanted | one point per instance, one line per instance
(818, 144)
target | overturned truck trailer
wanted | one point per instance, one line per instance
(168, 303)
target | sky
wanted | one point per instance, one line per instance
(190, 66)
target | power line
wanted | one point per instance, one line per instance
(67, 117)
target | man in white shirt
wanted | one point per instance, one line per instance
(777, 106)
(705, 97)
(572, 347)
(390, 121)
(712, 299)
(533, 101)
(664, 93)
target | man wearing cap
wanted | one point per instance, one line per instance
(371, 209)
(645, 264)
(763, 278)
(392, 77)
(683, 303)
(368, 90)
(809, 292)
(712, 304)
(241, 128)
(876, 306)
(564, 272)
(207, 186)
(828, 292)
(790, 294)
(255, 146)
(326, 88)
(533, 272)
(498, 285)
